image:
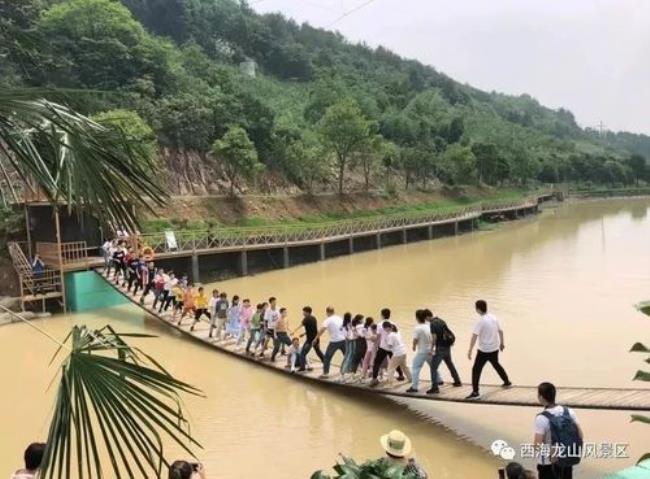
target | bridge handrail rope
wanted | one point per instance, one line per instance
(192, 240)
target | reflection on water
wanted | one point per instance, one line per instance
(562, 284)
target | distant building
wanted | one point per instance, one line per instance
(248, 68)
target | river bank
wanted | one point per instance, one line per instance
(200, 212)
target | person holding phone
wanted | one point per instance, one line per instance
(186, 470)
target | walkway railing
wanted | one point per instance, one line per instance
(71, 252)
(243, 237)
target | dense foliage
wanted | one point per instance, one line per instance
(318, 106)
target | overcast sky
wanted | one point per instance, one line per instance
(590, 56)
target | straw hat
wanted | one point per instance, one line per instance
(396, 443)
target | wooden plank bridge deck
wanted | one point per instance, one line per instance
(620, 399)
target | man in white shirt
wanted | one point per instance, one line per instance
(554, 461)
(490, 341)
(333, 324)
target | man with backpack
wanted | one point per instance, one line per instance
(442, 338)
(558, 437)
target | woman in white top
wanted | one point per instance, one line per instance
(398, 348)
(372, 343)
(349, 331)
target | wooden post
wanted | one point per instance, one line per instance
(351, 244)
(195, 269)
(243, 263)
(29, 233)
(456, 228)
(378, 240)
(404, 236)
(430, 231)
(285, 257)
(321, 250)
(59, 248)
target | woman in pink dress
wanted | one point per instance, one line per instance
(245, 315)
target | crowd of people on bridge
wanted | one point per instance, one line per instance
(371, 350)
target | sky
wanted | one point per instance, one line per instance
(589, 56)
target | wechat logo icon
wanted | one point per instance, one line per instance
(501, 449)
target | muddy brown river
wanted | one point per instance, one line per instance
(563, 285)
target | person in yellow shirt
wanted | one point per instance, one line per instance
(201, 304)
(177, 292)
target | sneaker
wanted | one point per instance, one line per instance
(433, 391)
(411, 390)
(401, 378)
(302, 370)
(440, 383)
(458, 385)
(506, 385)
(474, 395)
(374, 383)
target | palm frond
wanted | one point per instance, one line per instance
(114, 401)
(77, 161)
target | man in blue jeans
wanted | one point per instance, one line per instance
(334, 326)
(422, 348)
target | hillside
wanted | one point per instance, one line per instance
(319, 114)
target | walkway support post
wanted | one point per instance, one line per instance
(456, 227)
(321, 251)
(57, 220)
(195, 268)
(285, 257)
(404, 236)
(243, 263)
(378, 240)
(351, 244)
(430, 232)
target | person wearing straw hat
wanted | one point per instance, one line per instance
(397, 446)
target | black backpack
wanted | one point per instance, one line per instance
(448, 338)
(565, 438)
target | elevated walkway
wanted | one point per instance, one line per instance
(620, 399)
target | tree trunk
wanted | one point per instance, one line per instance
(341, 172)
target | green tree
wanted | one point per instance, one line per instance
(307, 162)
(368, 157)
(460, 162)
(344, 129)
(238, 154)
(134, 127)
(639, 167)
(487, 161)
(102, 46)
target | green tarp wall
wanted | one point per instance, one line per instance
(86, 290)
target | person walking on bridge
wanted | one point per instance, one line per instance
(442, 340)
(489, 335)
(310, 326)
(334, 326)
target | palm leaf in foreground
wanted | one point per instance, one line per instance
(642, 375)
(77, 161)
(113, 402)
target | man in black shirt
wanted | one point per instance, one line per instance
(310, 325)
(443, 339)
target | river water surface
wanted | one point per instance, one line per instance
(562, 284)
